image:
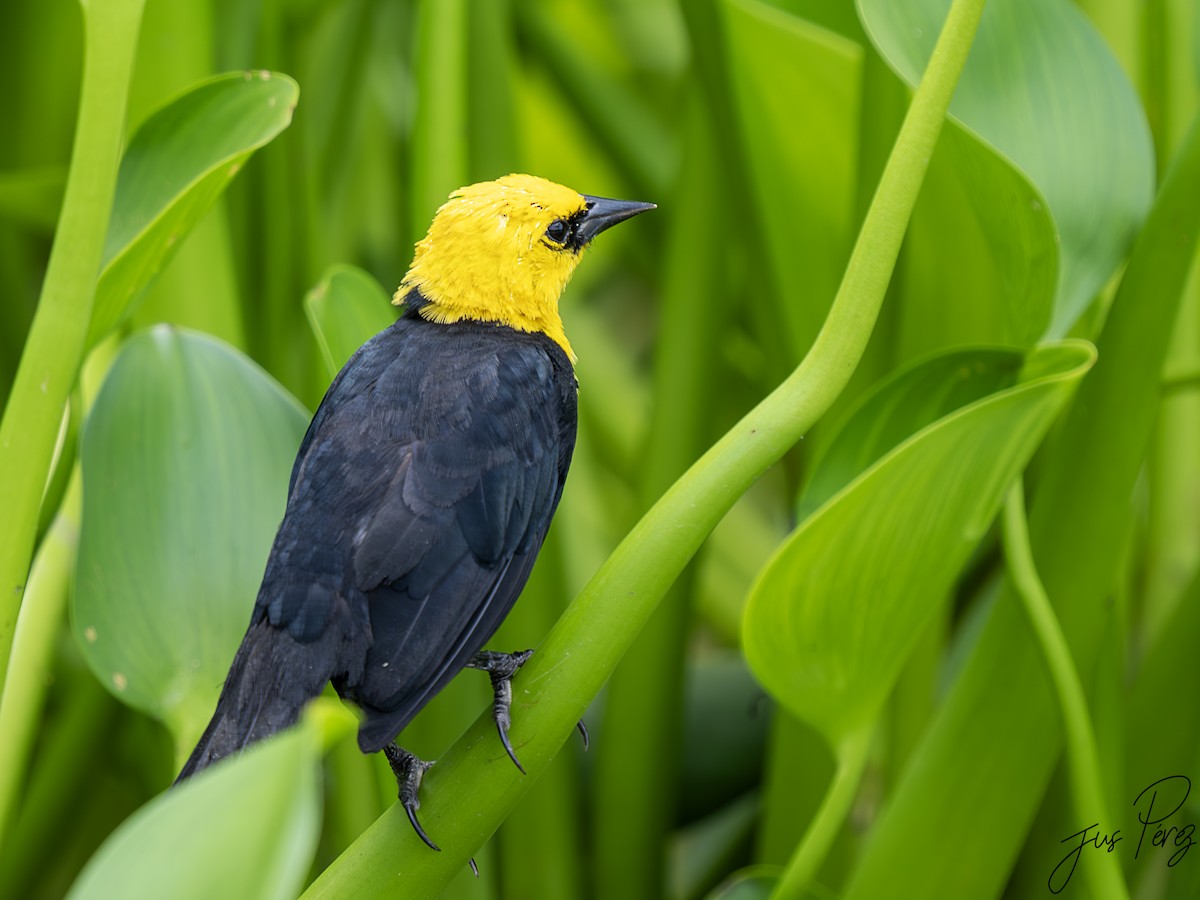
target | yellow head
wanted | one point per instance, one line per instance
(502, 251)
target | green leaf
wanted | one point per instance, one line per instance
(185, 468)
(346, 309)
(980, 211)
(174, 169)
(1045, 92)
(244, 828)
(753, 883)
(1164, 664)
(801, 146)
(911, 399)
(1079, 526)
(55, 346)
(833, 615)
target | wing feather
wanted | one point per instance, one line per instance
(420, 498)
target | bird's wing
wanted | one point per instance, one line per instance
(424, 490)
(451, 542)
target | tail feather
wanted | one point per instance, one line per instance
(271, 679)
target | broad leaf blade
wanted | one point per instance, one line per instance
(834, 613)
(1079, 527)
(983, 213)
(174, 169)
(346, 309)
(1042, 89)
(801, 149)
(909, 400)
(245, 828)
(185, 458)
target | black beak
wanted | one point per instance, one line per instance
(602, 214)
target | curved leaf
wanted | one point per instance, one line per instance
(833, 615)
(174, 169)
(185, 460)
(984, 214)
(346, 309)
(1043, 90)
(928, 842)
(909, 400)
(751, 883)
(244, 828)
(801, 146)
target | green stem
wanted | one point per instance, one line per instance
(54, 349)
(800, 871)
(637, 763)
(51, 807)
(33, 648)
(439, 153)
(474, 785)
(1182, 381)
(1102, 870)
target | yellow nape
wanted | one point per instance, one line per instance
(487, 256)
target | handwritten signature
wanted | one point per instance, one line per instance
(1151, 805)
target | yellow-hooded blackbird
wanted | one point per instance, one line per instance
(423, 489)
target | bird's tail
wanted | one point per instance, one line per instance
(264, 693)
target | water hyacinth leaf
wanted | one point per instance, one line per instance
(801, 147)
(902, 405)
(980, 211)
(245, 828)
(185, 456)
(1080, 520)
(346, 309)
(833, 615)
(1043, 90)
(753, 883)
(173, 170)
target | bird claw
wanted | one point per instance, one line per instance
(409, 772)
(583, 733)
(501, 667)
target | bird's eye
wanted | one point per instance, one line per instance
(558, 231)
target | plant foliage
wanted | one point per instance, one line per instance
(918, 266)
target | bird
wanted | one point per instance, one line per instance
(425, 484)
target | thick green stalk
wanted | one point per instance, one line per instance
(474, 785)
(54, 349)
(40, 618)
(51, 808)
(1103, 870)
(439, 153)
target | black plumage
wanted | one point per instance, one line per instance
(419, 499)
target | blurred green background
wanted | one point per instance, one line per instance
(273, 239)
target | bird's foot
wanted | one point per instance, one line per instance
(501, 667)
(409, 771)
